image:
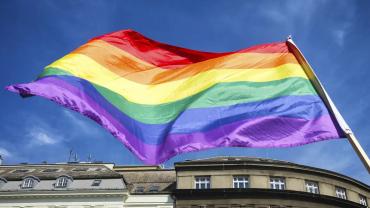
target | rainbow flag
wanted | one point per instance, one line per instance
(161, 100)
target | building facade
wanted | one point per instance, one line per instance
(61, 185)
(149, 186)
(222, 182)
(236, 182)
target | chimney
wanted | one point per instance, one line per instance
(1, 159)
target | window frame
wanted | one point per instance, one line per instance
(96, 182)
(139, 189)
(60, 185)
(153, 189)
(29, 182)
(62, 182)
(244, 181)
(206, 182)
(340, 194)
(79, 169)
(280, 184)
(363, 200)
(20, 171)
(2, 181)
(308, 187)
(50, 170)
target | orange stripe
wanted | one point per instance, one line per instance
(132, 68)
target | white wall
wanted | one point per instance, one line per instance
(64, 202)
(149, 201)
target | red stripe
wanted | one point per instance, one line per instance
(171, 57)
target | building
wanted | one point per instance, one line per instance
(221, 182)
(240, 182)
(72, 185)
(149, 186)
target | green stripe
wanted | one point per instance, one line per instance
(222, 94)
(54, 71)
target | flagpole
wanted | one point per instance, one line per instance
(329, 103)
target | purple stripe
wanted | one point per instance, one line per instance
(258, 132)
(264, 132)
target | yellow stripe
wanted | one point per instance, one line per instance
(86, 68)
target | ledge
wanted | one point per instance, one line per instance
(62, 194)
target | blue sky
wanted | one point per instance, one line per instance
(333, 35)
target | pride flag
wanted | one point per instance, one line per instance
(161, 100)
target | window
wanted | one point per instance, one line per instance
(51, 170)
(2, 181)
(240, 182)
(202, 182)
(277, 183)
(96, 169)
(341, 192)
(21, 171)
(28, 183)
(139, 189)
(312, 187)
(96, 182)
(62, 182)
(363, 200)
(154, 189)
(80, 169)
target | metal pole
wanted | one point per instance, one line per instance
(328, 102)
(359, 150)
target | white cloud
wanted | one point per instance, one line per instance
(288, 14)
(43, 135)
(276, 16)
(5, 153)
(42, 138)
(340, 35)
(341, 30)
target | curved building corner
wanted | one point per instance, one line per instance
(242, 182)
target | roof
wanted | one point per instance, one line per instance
(53, 171)
(136, 167)
(224, 159)
(150, 181)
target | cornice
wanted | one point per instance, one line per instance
(62, 194)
